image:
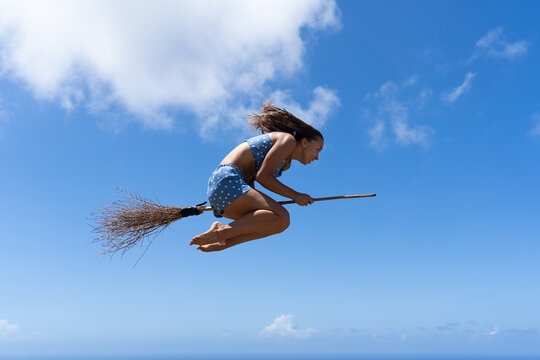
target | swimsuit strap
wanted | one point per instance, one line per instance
(259, 146)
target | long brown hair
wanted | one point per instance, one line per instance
(275, 119)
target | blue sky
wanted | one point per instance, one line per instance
(434, 106)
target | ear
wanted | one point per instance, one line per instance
(304, 142)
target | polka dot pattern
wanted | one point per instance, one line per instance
(260, 145)
(227, 183)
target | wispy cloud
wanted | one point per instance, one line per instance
(376, 134)
(451, 96)
(448, 326)
(391, 114)
(3, 114)
(521, 333)
(282, 326)
(7, 330)
(154, 58)
(535, 131)
(472, 330)
(494, 44)
(413, 80)
(495, 331)
(452, 331)
(324, 102)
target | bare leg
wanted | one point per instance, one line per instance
(259, 221)
(235, 240)
(208, 237)
(256, 215)
(218, 246)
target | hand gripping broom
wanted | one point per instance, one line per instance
(129, 220)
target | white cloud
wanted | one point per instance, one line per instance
(453, 95)
(282, 326)
(452, 331)
(324, 103)
(393, 113)
(3, 114)
(154, 57)
(535, 131)
(376, 133)
(495, 45)
(404, 132)
(317, 112)
(7, 330)
(410, 81)
(448, 326)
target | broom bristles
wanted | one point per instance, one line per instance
(130, 220)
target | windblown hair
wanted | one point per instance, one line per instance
(275, 119)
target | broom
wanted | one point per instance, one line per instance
(129, 220)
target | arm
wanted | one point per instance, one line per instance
(282, 148)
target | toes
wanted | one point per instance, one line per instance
(208, 237)
(206, 248)
(203, 248)
(202, 239)
(211, 247)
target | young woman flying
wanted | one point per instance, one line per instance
(231, 189)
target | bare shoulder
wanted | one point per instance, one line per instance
(282, 138)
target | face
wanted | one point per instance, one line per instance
(311, 149)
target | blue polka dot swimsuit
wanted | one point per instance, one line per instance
(227, 183)
(260, 145)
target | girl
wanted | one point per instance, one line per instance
(231, 189)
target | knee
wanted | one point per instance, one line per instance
(283, 221)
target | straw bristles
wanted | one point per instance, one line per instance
(128, 221)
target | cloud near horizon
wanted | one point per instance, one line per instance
(282, 326)
(453, 331)
(151, 59)
(7, 330)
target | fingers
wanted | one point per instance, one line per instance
(304, 200)
(307, 201)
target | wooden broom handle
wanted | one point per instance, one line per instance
(318, 199)
(331, 198)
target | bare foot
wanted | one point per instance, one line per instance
(212, 247)
(208, 237)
